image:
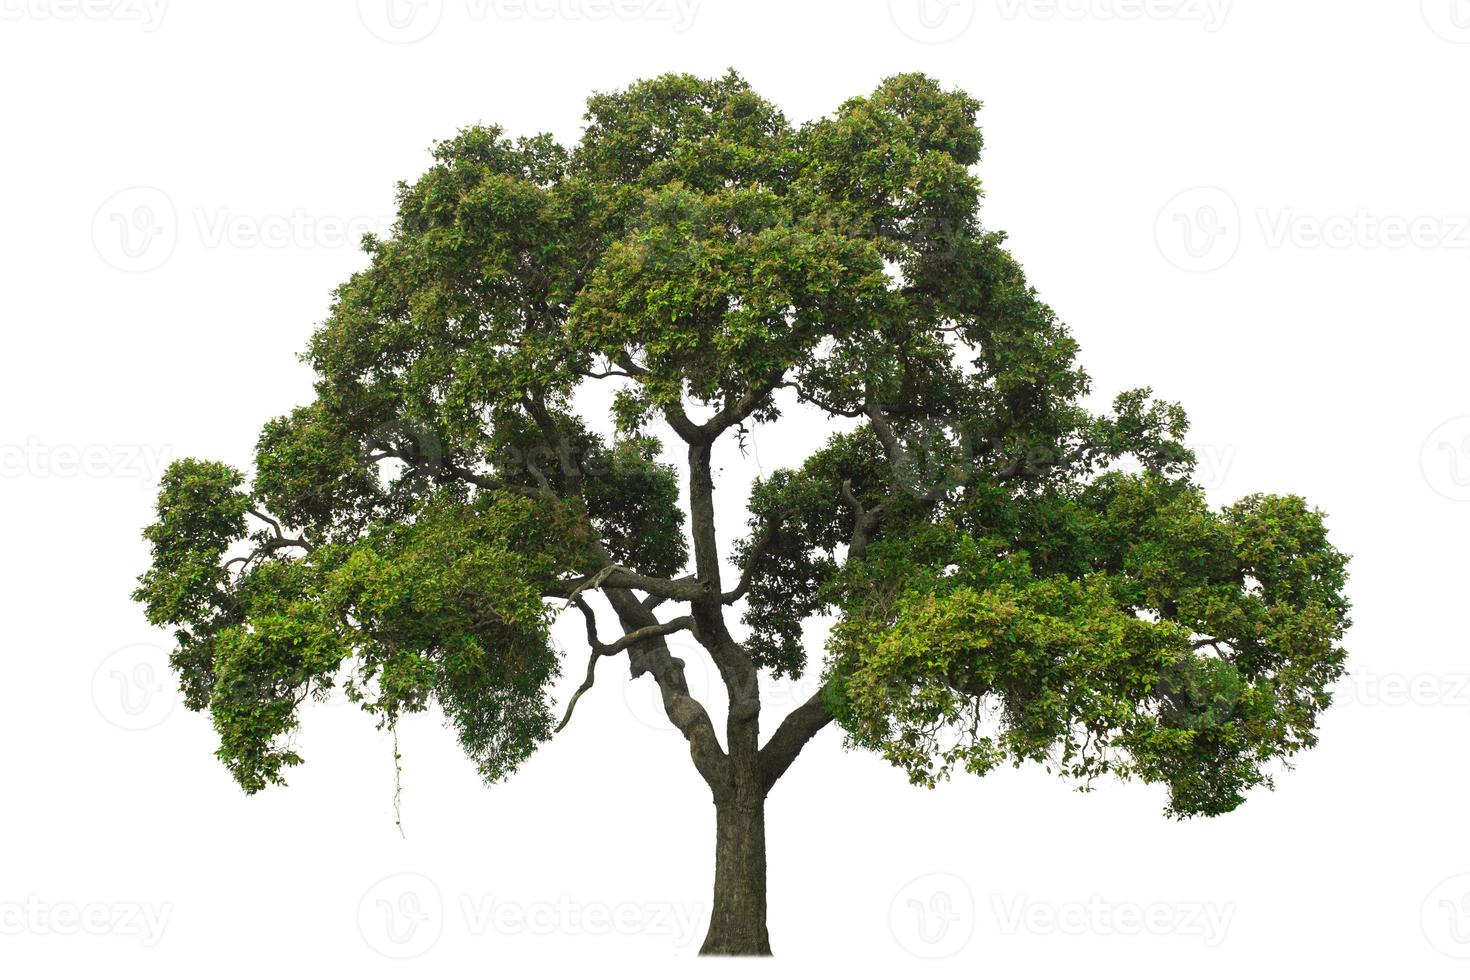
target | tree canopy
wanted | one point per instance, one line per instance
(1013, 576)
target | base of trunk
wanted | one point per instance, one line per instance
(737, 925)
(743, 946)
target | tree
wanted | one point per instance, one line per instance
(1013, 577)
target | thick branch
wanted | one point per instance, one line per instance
(736, 668)
(864, 522)
(570, 471)
(735, 411)
(743, 407)
(650, 655)
(884, 431)
(790, 737)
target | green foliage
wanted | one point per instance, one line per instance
(201, 513)
(447, 607)
(1013, 576)
(631, 497)
(1135, 632)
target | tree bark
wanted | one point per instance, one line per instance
(737, 925)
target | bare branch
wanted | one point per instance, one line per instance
(597, 645)
(649, 632)
(884, 431)
(577, 694)
(600, 649)
(686, 589)
(609, 373)
(275, 524)
(266, 545)
(541, 480)
(753, 557)
(743, 407)
(812, 399)
(625, 361)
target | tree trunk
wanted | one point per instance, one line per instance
(737, 925)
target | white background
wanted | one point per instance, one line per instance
(1258, 208)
